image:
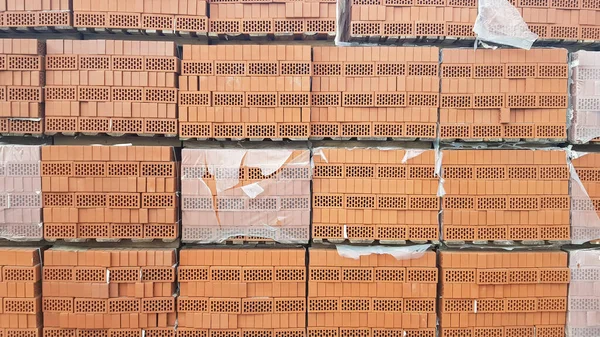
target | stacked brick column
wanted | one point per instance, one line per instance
(561, 19)
(109, 192)
(583, 295)
(585, 97)
(505, 94)
(21, 82)
(167, 15)
(505, 195)
(109, 292)
(374, 92)
(278, 17)
(35, 13)
(399, 19)
(21, 185)
(115, 87)
(242, 292)
(245, 92)
(20, 292)
(585, 194)
(262, 194)
(511, 294)
(375, 295)
(375, 194)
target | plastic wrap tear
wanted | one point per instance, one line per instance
(398, 252)
(498, 21)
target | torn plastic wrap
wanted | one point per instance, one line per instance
(375, 193)
(585, 196)
(498, 21)
(583, 316)
(584, 110)
(398, 252)
(236, 193)
(20, 193)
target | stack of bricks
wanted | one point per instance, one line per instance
(520, 195)
(109, 292)
(584, 300)
(315, 18)
(585, 198)
(561, 19)
(21, 82)
(20, 292)
(510, 294)
(374, 295)
(20, 201)
(585, 97)
(258, 194)
(242, 292)
(35, 13)
(393, 20)
(505, 94)
(375, 92)
(115, 87)
(164, 15)
(249, 91)
(375, 194)
(109, 192)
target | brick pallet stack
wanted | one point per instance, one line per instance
(115, 87)
(110, 192)
(585, 97)
(374, 194)
(518, 195)
(585, 194)
(391, 20)
(374, 295)
(35, 13)
(375, 92)
(242, 292)
(278, 17)
(164, 15)
(20, 292)
(21, 82)
(504, 94)
(109, 292)
(262, 194)
(511, 294)
(584, 301)
(245, 92)
(21, 201)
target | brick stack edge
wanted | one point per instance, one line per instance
(242, 292)
(21, 81)
(511, 294)
(258, 193)
(109, 292)
(585, 195)
(110, 192)
(20, 292)
(35, 13)
(375, 194)
(21, 186)
(116, 87)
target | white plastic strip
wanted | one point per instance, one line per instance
(399, 252)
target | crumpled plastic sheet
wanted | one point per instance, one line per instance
(583, 315)
(20, 193)
(585, 222)
(498, 21)
(398, 252)
(237, 192)
(584, 110)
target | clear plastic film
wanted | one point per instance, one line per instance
(583, 316)
(584, 110)
(246, 193)
(398, 252)
(585, 196)
(498, 21)
(20, 193)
